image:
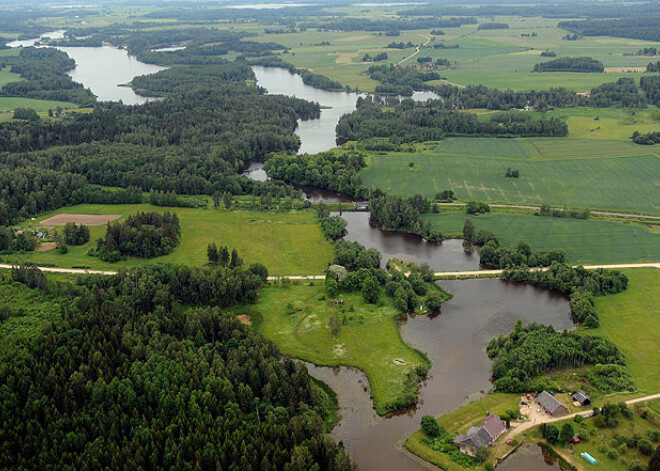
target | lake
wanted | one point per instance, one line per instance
(103, 70)
(455, 342)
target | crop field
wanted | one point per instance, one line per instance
(594, 174)
(296, 318)
(286, 243)
(585, 241)
(495, 58)
(622, 317)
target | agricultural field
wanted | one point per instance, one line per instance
(8, 103)
(296, 318)
(596, 174)
(286, 243)
(585, 241)
(621, 316)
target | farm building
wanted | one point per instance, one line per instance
(480, 436)
(551, 405)
(582, 398)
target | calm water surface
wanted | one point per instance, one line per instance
(103, 69)
(530, 458)
(447, 256)
(455, 342)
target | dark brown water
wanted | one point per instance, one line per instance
(530, 458)
(455, 343)
(447, 256)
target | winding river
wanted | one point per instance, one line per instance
(454, 340)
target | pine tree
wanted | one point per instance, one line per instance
(212, 253)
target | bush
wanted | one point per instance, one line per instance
(431, 427)
(645, 447)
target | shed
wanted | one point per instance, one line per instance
(551, 405)
(589, 458)
(582, 398)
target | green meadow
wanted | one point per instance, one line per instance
(585, 241)
(286, 243)
(631, 319)
(596, 174)
(296, 318)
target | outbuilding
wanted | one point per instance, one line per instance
(582, 398)
(551, 405)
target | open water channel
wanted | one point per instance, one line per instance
(454, 340)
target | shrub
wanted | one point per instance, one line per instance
(645, 447)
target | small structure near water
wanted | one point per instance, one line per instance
(480, 436)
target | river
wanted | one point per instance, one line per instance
(104, 70)
(455, 342)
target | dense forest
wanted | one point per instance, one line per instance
(365, 24)
(536, 349)
(44, 74)
(570, 64)
(397, 80)
(412, 121)
(211, 394)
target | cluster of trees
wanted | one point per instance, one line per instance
(73, 234)
(220, 257)
(583, 308)
(573, 213)
(522, 255)
(548, 54)
(533, 350)
(10, 242)
(333, 227)
(566, 280)
(648, 139)
(571, 37)
(336, 171)
(570, 64)
(632, 24)
(44, 74)
(443, 45)
(413, 121)
(400, 45)
(198, 377)
(622, 93)
(393, 212)
(354, 256)
(377, 58)
(651, 86)
(27, 114)
(512, 172)
(144, 235)
(477, 207)
(647, 51)
(653, 67)
(399, 80)
(492, 25)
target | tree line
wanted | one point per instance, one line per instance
(410, 122)
(570, 64)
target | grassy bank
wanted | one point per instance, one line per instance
(585, 241)
(286, 243)
(296, 318)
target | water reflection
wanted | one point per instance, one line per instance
(447, 256)
(455, 343)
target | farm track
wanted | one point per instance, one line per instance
(538, 208)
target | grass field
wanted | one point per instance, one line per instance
(296, 318)
(596, 174)
(8, 103)
(286, 243)
(585, 241)
(631, 319)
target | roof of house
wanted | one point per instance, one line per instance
(479, 439)
(550, 403)
(581, 397)
(494, 425)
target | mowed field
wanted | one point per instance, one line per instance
(286, 243)
(585, 241)
(631, 319)
(596, 174)
(296, 318)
